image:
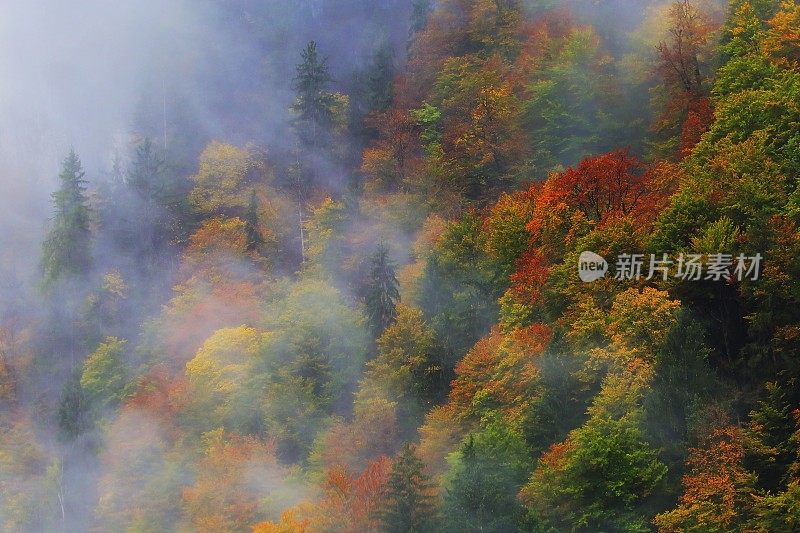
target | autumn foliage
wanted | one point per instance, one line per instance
(715, 486)
(378, 324)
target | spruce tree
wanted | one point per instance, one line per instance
(484, 480)
(380, 79)
(771, 430)
(313, 124)
(144, 176)
(409, 506)
(382, 292)
(66, 251)
(314, 104)
(152, 219)
(73, 409)
(254, 238)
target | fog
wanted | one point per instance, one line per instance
(97, 77)
(89, 74)
(73, 74)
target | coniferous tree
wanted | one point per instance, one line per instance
(158, 201)
(130, 216)
(484, 482)
(770, 432)
(314, 110)
(380, 79)
(382, 292)
(73, 409)
(372, 96)
(254, 238)
(146, 167)
(66, 252)
(145, 178)
(315, 103)
(409, 506)
(116, 178)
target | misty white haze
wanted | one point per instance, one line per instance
(72, 74)
(321, 265)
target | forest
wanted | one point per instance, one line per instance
(410, 266)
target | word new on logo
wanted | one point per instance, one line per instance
(591, 267)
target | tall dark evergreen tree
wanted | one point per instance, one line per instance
(73, 409)
(150, 225)
(382, 292)
(66, 252)
(484, 482)
(372, 92)
(315, 103)
(772, 426)
(144, 176)
(313, 122)
(254, 238)
(410, 506)
(380, 79)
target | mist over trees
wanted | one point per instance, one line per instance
(313, 266)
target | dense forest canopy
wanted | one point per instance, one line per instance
(401, 266)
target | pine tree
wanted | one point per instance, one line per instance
(254, 238)
(373, 96)
(151, 222)
(770, 431)
(145, 173)
(409, 506)
(73, 409)
(380, 80)
(314, 104)
(314, 110)
(382, 292)
(66, 252)
(484, 480)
